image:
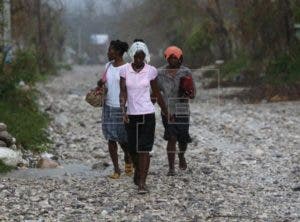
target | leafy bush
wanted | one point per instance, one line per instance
(197, 46)
(284, 69)
(24, 120)
(24, 68)
(235, 66)
(18, 108)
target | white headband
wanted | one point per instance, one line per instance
(139, 46)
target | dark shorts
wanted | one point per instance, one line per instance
(178, 129)
(140, 132)
(112, 124)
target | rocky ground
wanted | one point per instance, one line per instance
(244, 164)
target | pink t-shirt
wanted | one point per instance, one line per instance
(138, 89)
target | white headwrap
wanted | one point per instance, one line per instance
(139, 46)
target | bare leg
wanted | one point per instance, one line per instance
(143, 167)
(134, 157)
(182, 161)
(127, 156)
(171, 150)
(113, 151)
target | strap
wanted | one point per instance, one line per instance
(103, 78)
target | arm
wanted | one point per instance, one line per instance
(153, 96)
(157, 94)
(123, 97)
(192, 94)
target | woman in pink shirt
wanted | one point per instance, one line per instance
(137, 79)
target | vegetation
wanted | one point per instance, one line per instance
(24, 120)
(35, 55)
(4, 168)
(255, 38)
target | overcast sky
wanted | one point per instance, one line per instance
(102, 5)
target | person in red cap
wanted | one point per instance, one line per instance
(176, 84)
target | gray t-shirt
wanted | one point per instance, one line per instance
(169, 87)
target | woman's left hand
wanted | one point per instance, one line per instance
(99, 90)
(125, 118)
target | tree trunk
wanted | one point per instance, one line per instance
(288, 23)
(224, 43)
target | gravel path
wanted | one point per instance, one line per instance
(244, 165)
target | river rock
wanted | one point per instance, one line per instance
(10, 157)
(62, 120)
(6, 137)
(296, 188)
(47, 155)
(100, 155)
(2, 144)
(3, 127)
(217, 186)
(45, 163)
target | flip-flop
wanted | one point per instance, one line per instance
(115, 176)
(128, 169)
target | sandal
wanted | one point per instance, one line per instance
(128, 169)
(115, 176)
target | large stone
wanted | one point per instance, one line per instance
(2, 144)
(6, 137)
(3, 127)
(45, 163)
(10, 157)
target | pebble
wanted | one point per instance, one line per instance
(225, 165)
(296, 188)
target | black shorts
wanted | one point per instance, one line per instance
(140, 132)
(178, 129)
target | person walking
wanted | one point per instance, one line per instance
(177, 87)
(137, 79)
(112, 123)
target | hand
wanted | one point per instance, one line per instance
(99, 90)
(189, 94)
(169, 116)
(125, 118)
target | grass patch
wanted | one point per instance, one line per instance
(18, 108)
(4, 168)
(25, 122)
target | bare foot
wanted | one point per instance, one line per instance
(182, 163)
(171, 173)
(142, 190)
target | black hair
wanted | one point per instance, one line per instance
(139, 40)
(119, 46)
